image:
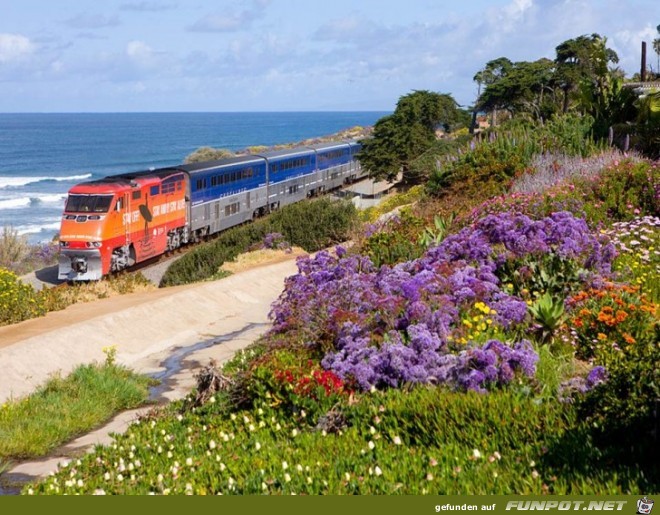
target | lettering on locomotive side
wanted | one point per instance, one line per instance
(169, 207)
(128, 218)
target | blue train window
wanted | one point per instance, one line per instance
(154, 190)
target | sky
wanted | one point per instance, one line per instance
(285, 55)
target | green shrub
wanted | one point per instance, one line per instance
(623, 191)
(18, 301)
(312, 225)
(618, 328)
(396, 240)
(422, 441)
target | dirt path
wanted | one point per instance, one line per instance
(144, 327)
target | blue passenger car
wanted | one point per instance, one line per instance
(231, 191)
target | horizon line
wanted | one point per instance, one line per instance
(202, 112)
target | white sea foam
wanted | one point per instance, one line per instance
(37, 228)
(15, 203)
(57, 199)
(15, 182)
(50, 198)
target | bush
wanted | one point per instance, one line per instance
(314, 225)
(394, 240)
(311, 225)
(18, 301)
(627, 189)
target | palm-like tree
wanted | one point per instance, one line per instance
(656, 48)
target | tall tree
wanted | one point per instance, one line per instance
(407, 133)
(493, 72)
(656, 48)
(585, 58)
(523, 89)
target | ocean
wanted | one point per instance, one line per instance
(43, 155)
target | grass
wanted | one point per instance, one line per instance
(66, 407)
(421, 441)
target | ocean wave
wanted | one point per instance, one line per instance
(34, 198)
(16, 182)
(37, 228)
(15, 203)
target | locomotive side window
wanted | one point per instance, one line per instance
(155, 190)
(119, 205)
(137, 195)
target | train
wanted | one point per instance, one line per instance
(113, 223)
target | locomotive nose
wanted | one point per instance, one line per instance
(79, 265)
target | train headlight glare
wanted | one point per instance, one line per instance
(64, 244)
(93, 244)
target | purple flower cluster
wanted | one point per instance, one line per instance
(275, 241)
(568, 390)
(395, 325)
(560, 233)
(424, 360)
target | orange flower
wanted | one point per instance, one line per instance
(628, 338)
(602, 336)
(621, 316)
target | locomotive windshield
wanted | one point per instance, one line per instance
(88, 203)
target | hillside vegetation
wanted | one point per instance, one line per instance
(498, 335)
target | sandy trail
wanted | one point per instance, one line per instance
(144, 327)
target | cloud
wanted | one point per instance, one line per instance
(90, 36)
(139, 51)
(231, 21)
(147, 6)
(92, 21)
(15, 47)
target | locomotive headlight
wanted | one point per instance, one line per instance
(93, 244)
(64, 244)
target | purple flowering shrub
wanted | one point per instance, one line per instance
(426, 320)
(275, 241)
(576, 386)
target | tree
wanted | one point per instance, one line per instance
(492, 73)
(585, 58)
(656, 48)
(407, 133)
(522, 90)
